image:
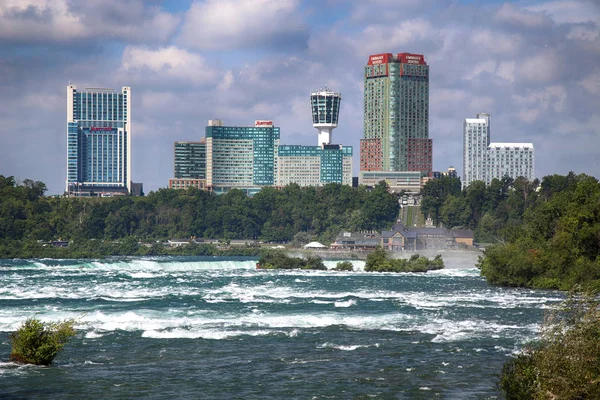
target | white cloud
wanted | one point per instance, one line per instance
(227, 24)
(488, 41)
(591, 83)
(506, 70)
(373, 37)
(534, 102)
(166, 63)
(61, 20)
(585, 33)
(482, 104)
(569, 11)
(488, 66)
(525, 17)
(542, 67)
(42, 19)
(587, 127)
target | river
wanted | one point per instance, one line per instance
(217, 328)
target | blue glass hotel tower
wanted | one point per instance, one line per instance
(242, 157)
(98, 141)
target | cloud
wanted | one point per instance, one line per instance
(535, 102)
(523, 17)
(39, 19)
(495, 42)
(399, 36)
(166, 64)
(534, 68)
(569, 11)
(63, 21)
(544, 66)
(591, 83)
(237, 24)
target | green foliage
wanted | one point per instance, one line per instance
(565, 364)
(271, 215)
(378, 261)
(279, 260)
(557, 244)
(344, 266)
(435, 192)
(36, 342)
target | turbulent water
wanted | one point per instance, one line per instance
(217, 328)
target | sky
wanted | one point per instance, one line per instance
(533, 65)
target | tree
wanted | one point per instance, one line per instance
(381, 207)
(36, 342)
(455, 212)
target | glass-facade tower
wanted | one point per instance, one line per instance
(98, 141)
(243, 157)
(190, 160)
(396, 111)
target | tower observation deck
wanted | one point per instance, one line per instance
(325, 106)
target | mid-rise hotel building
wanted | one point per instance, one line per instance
(98, 141)
(396, 114)
(484, 160)
(314, 165)
(190, 165)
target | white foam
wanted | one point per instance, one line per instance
(346, 347)
(345, 304)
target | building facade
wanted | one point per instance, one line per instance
(398, 181)
(314, 165)
(189, 165)
(242, 157)
(476, 139)
(484, 160)
(510, 159)
(98, 141)
(190, 160)
(396, 112)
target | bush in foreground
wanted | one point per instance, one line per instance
(565, 364)
(37, 342)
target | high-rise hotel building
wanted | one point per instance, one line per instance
(98, 141)
(242, 157)
(396, 115)
(484, 160)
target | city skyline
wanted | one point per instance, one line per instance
(533, 65)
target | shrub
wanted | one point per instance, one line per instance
(36, 342)
(565, 364)
(344, 266)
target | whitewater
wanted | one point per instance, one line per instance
(217, 328)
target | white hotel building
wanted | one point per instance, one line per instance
(484, 160)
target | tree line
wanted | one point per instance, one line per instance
(545, 234)
(272, 215)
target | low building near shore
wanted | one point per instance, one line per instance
(402, 238)
(367, 240)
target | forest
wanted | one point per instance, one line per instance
(541, 234)
(538, 234)
(111, 226)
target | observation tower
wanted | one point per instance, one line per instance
(325, 106)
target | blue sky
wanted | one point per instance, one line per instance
(533, 65)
